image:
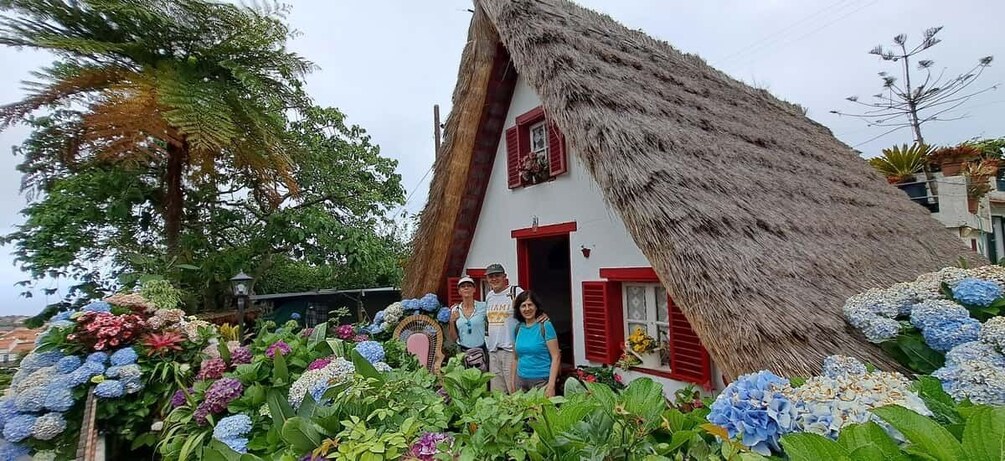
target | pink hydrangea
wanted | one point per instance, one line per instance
(280, 346)
(212, 369)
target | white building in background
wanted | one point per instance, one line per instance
(980, 224)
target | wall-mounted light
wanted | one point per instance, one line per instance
(586, 251)
(533, 223)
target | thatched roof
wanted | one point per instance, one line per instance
(758, 221)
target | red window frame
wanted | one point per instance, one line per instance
(518, 146)
(689, 361)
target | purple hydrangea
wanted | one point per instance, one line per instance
(240, 355)
(320, 363)
(211, 369)
(345, 332)
(425, 448)
(124, 356)
(109, 389)
(179, 398)
(977, 292)
(280, 346)
(217, 397)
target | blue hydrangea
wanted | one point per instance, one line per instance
(36, 360)
(931, 312)
(68, 364)
(295, 316)
(443, 316)
(60, 324)
(7, 410)
(109, 389)
(97, 357)
(372, 351)
(132, 385)
(13, 451)
(409, 305)
(238, 444)
(61, 316)
(948, 334)
(18, 428)
(977, 292)
(86, 371)
(232, 426)
(318, 390)
(755, 408)
(30, 400)
(97, 306)
(378, 317)
(58, 398)
(429, 303)
(838, 365)
(124, 356)
(975, 351)
(375, 328)
(48, 426)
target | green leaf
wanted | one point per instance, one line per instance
(279, 407)
(307, 406)
(920, 357)
(806, 446)
(302, 434)
(984, 435)
(573, 386)
(224, 352)
(318, 335)
(867, 442)
(188, 267)
(923, 432)
(279, 371)
(364, 367)
(941, 404)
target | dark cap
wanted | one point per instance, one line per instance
(494, 269)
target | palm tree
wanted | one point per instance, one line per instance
(184, 85)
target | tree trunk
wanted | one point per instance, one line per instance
(916, 123)
(174, 202)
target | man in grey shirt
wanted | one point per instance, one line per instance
(501, 324)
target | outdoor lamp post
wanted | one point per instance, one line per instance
(241, 287)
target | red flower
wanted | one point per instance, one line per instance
(162, 343)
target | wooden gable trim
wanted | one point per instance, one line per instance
(629, 274)
(476, 273)
(502, 82)
(550, 230)
(532, 116)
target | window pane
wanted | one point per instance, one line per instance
(662, 311)
(664, 338)
(635, 296)
(538, 138)
(633, 325)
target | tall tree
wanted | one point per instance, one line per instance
(94, 222)
(918, 96)
(185, 86)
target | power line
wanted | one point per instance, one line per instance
(410, 194)
(774, 35)
(751, 57)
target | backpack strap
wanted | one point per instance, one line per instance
(512, 292)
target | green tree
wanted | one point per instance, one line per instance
(183, 87)
(94, 222)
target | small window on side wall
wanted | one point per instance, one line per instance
(535, 150)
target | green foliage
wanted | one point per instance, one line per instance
(909, 348)
(398, 357)
(901, 163)
(161, 293)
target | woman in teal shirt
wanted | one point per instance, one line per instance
(535, 346)
(468, 319)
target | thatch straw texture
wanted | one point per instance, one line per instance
(759, 222)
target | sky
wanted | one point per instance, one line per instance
(386, 63)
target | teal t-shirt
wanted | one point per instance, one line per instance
(531, 347)
(471, 330)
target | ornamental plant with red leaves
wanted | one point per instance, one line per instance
(102, 330)
(159, 344)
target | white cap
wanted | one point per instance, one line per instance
(466, 279)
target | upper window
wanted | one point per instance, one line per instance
(535, 150)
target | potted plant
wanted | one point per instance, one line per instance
(643, 346)
(951, 159)
(534, 168)
(979, 181)
(901, 164)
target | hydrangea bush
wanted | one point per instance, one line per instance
(921, 323)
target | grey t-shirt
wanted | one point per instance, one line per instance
(500, 317)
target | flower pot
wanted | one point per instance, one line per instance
(916, 191)
(973, 204)
(650, 360)
(951, 168)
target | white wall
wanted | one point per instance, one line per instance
(573, 196)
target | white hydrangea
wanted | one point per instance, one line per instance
(393, 313)
(993, 333)
(335, 372)
(826, 404)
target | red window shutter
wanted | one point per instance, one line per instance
(453, 296)
(478, 288)
(513, 157)
(689, 361)
(556, 151)
(602, 318)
